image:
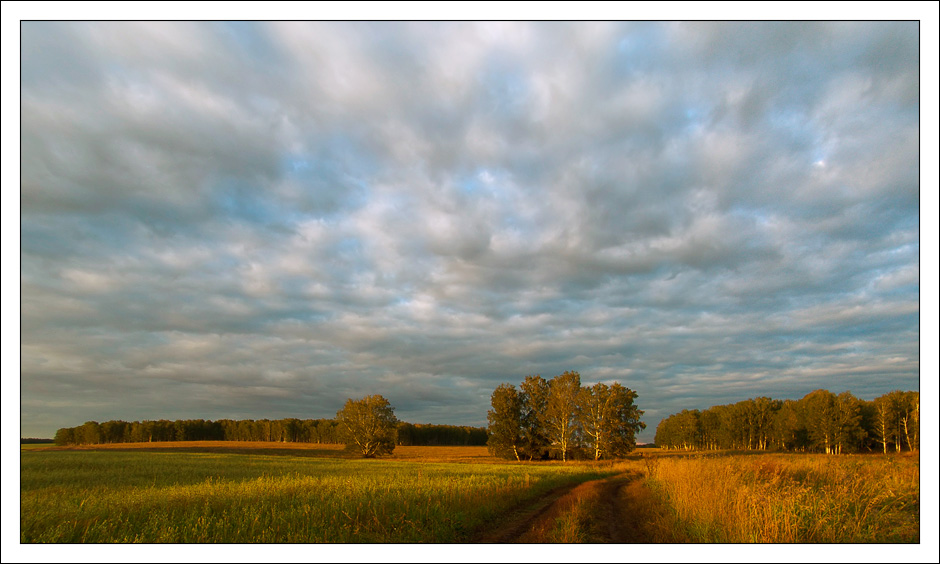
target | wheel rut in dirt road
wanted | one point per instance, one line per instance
(619, 506)
(613, 510)
(520, 520)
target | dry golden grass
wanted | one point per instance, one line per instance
(787, 498)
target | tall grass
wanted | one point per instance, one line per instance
(174, 497)
(790, 498)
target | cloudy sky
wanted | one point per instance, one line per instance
(261, 220)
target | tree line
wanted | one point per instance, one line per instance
(560, 418)
(819, 422)
(288, 430)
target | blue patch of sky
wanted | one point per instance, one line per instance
(293, 164)
(697, 116)
(244, 201)
(752, 212)
(494, 184)
(250, 39)
(55, 236)
(506, 90)
(107, 234)
(476, 183)
(797, 133)
(349, 246)
(332, 177)
(637, 51)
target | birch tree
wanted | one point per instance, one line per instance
(560, 419)
(505, 422)
(609, 420)
(534, 399)
(369, 425)
(885, 430)
(595, 412)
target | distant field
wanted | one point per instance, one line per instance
(272, 492)
(414, 453)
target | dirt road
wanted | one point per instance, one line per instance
(613, 510)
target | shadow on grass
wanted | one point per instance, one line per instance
(314, 452)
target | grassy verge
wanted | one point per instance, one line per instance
(787, 498)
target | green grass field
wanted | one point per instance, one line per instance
(108, 496)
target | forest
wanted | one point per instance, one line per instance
(819, 422)
(324, 431)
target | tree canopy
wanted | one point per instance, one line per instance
(562, 418)
(821, 421)
(609, 419)
(289, 430)
(369, 425)
(505, 422)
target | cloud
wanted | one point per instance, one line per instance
(263, 219)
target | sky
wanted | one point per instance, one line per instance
(249, 220)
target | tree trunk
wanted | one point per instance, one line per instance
(907, 435)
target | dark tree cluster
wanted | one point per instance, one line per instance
(323, 431)
(560, 418)
(276, 430)
(423, 434)
(35, 441)
(819, 422)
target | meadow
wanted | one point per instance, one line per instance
(288, 493)
(170, 495)
(788, 498)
